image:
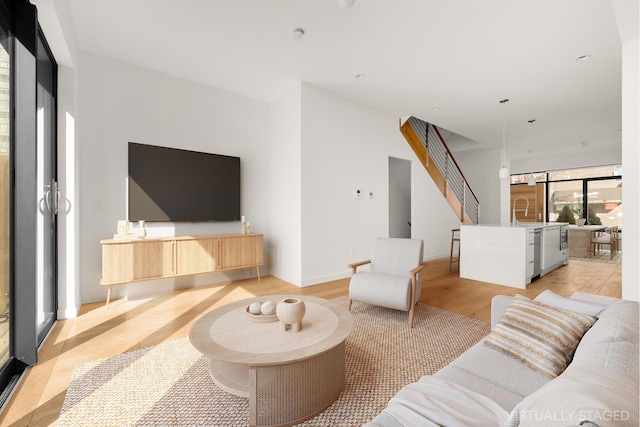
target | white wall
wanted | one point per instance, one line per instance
(432, 219)
(481, 170)
(119, 103)
(579, 159)
(69, 298)
(345, 147)
(285, 252)
(630, 167)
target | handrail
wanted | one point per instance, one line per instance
(454, 180)
(454, 159)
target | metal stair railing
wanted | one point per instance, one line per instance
(441, 156)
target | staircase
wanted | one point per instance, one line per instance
(427, 143)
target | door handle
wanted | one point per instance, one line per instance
(56, 196)
(51, 198)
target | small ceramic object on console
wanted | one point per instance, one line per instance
(123, 227)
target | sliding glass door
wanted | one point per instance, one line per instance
(28, 191)
(48, 191)
(5, 200)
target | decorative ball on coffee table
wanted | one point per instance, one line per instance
(268, 308)
(255, 308)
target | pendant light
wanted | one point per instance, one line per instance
(503, 173)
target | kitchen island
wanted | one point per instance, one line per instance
(580, 239)
(512, 255)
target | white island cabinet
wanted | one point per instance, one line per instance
(510, 255)
(554, 252)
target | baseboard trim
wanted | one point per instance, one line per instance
(322, 279)
(68, 313)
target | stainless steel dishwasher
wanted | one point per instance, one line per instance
(537, 251)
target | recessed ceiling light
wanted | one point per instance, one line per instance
(435, 108)
(583, 57)
(359, 76)
(346, 3)
(297, 33)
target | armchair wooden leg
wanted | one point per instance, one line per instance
(349, 304)
(414, 300)
(411, 311)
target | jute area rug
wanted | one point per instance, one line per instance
(169, 384)
(604, 257)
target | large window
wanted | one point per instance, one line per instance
(594, 194)
(565, 201)
(604, 201)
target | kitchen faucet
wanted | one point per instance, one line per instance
(513, 209)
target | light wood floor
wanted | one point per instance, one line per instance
(128, 325)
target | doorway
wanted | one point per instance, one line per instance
(399, 198)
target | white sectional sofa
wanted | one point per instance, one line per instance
(485, 387)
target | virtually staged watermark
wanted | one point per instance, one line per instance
(595, 416)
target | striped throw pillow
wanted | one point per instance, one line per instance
(538, 335)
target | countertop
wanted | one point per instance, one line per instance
(587, 227)
(522, 225)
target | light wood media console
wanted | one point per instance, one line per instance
(126, 261)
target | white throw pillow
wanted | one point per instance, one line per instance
(554, 300)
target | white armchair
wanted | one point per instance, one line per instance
(394, 279)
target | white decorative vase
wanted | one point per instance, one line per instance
(290, 312)
(142, 231)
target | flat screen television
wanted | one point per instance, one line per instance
(169, 184)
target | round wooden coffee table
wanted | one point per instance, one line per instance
(288, 376)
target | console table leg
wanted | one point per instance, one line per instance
(108, 296)
(257, 272)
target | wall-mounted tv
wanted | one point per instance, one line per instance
(169, 184)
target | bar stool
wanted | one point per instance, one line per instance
(455, 237)
(607, 237)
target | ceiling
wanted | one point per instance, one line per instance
(448, 62)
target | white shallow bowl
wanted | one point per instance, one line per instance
(261, 318)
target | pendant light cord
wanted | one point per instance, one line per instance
(504, 131)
